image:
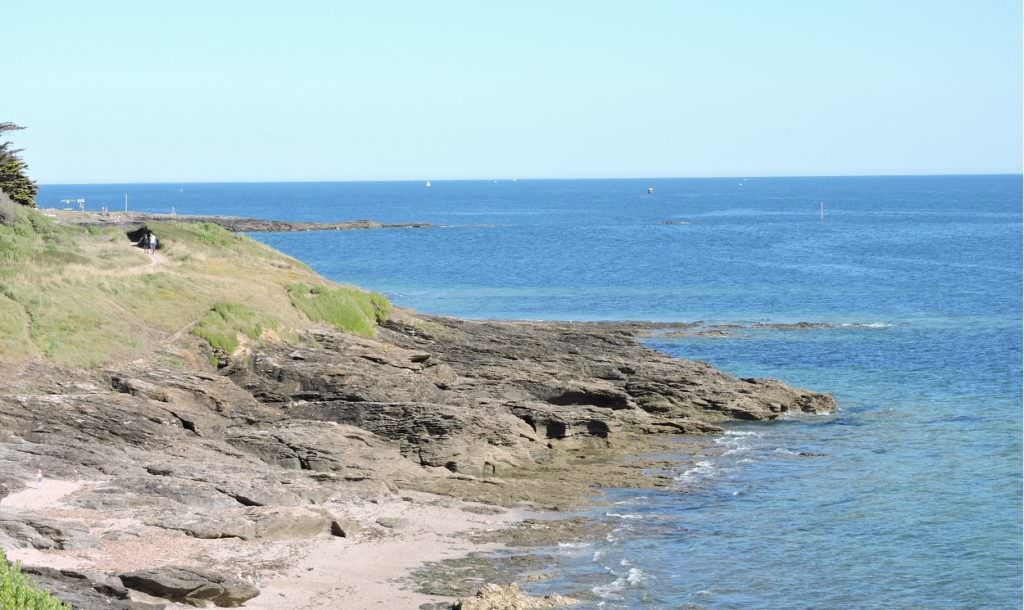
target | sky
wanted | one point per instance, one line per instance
(194, 91)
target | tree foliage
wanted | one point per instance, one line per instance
(14, 178)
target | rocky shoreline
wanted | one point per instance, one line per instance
(131, 221)
(167, 481)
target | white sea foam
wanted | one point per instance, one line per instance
(612, 589)
(736, 449)
(701, 470)
(624, 515)
(633, 500)
(635, 576)
(743, 433)
(573, 545)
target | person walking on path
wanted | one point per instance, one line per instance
(150, 243)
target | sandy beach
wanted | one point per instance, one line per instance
(362, 570)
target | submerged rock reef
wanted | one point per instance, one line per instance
(175, 474)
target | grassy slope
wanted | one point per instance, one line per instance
(86, 297)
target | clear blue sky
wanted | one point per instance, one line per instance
(188, 90)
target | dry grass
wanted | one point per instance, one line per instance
(87, 297)
(8, 210)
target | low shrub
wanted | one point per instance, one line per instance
(18, 593)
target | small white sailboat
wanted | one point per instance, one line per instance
(650, 190)
(428, 183)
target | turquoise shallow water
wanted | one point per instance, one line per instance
(908, 497)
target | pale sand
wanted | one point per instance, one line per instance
(327, 572)
(39, 495)
(346, 574)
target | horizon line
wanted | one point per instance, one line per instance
(511, 179)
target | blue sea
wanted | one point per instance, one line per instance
(909, 496)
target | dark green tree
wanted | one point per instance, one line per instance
(14, 178)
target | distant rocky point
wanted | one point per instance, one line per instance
(235, 224)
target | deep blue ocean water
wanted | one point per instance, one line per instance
(911, 497)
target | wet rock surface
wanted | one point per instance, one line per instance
(503, 413)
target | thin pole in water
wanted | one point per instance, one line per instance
(821, 210)
(126, 202)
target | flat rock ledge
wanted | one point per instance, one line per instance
(166, 464)
(191, 586)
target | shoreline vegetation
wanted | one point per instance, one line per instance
(217, 424)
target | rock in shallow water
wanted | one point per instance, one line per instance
(496, 597)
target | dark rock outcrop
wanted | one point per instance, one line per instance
(82, 591)
(474, 409)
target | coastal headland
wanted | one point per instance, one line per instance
(217, 424)
(235, 224)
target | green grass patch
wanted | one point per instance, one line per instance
(214, 239)
(348, 309)
(222, 325)
(204, 233)
(163, 299)
(33, 235)
(66, 321)
(18, 593)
